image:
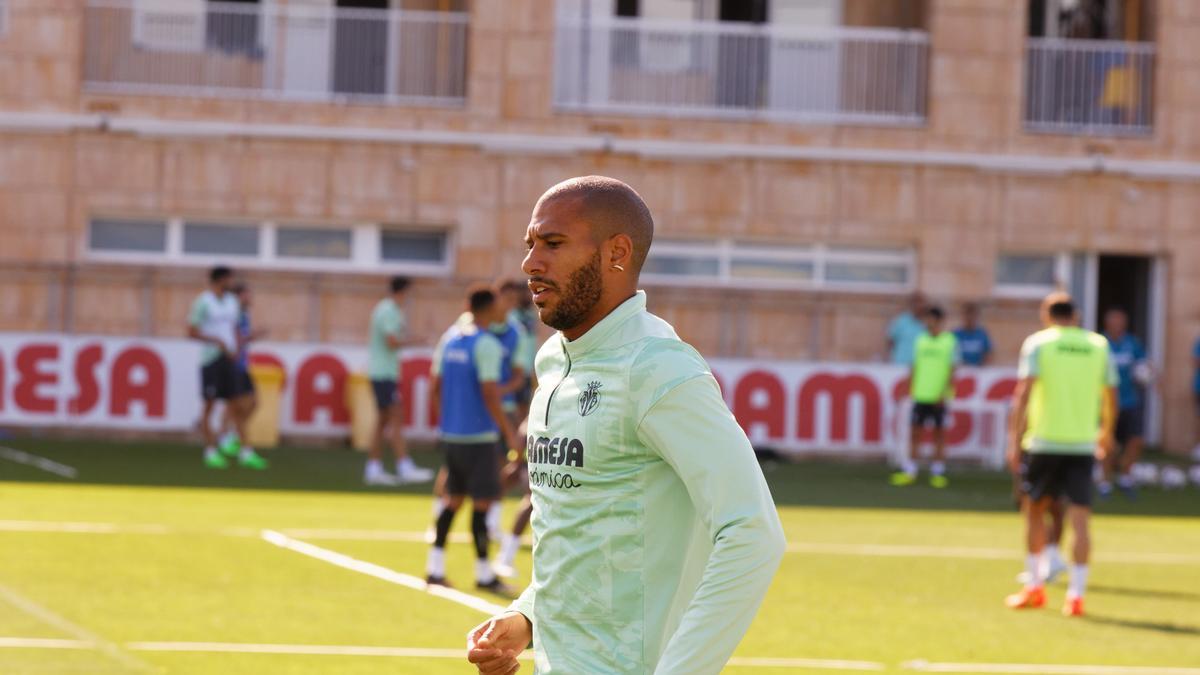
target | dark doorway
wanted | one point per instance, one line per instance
(232, 27)
(1124, 281)
(360, 47)
(742, 66)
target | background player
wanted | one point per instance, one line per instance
(244, 399)
(1130, 356)
(935, 355)
(1067, 383)
(213, 321)
(472, 422)
(385, 338)
(974, 343)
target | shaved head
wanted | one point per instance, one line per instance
(609, 207)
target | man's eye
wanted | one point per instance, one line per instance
(553, 244)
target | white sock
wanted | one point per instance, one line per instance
(404, 464)
(374, 467)
(247, 452)
(209, 451)
(1033, 567)
(493, 517)
(1078, 583)
(435, 564)
(508, 548)
(438, 507)
(908, 466)
(229, 437)
(483, 572)
(1052, 554)
(1125, 480)
(937, 468)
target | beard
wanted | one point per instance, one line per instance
(578, 298)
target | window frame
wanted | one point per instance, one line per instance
(365, 248)
(820, 255)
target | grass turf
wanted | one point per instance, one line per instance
(208, 578)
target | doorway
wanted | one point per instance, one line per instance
(1135, 284)
(361, 47)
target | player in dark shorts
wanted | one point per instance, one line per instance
(465, 385)
(1066, 375)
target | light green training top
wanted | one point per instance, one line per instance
(656, 536)
(386, 319)
(215, 317)
(1070, 367)
(934, 359)
(489, 355)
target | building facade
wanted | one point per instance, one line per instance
(809, 162)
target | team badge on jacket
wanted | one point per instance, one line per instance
(589, 398)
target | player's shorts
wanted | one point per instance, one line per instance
(243, 384)
(387, 392)
(472, 469)
(218, 379)
(929, 414)
(1131, 423)
(1055, 476)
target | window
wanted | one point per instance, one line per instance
(310, 242)
(220, 239)
(232, 26)
(423, 247)
(757, 265)
(128, 236)
(357, 248)
(1032, 275)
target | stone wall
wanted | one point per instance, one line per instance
(957, 219)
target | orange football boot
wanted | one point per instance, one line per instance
(1030, 597)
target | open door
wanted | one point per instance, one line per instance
(1135, 284)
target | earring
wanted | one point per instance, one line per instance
(618, 267)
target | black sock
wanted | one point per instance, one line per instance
(479, 529)
(443, 527)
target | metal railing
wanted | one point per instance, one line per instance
(741, 71)
(290, 52)
(1098, 87)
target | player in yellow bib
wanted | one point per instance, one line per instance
(1064, 411)
(935, 357)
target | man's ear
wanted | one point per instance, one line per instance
(620, 251)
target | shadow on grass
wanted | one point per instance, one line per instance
(1157, 626)
(813, 483)
(1144, 593)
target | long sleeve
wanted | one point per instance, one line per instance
(524, 603)
(691, 428)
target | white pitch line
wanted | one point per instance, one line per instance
(379, 572)
(79, 527)
(308, 650)
(819, 548)
(822, 664)
(43, 643)
(47, 465)
(1045, 668)
(74, 630)
(397, 652)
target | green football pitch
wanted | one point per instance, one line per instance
(145, 562)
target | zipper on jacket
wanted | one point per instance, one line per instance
(554, 391)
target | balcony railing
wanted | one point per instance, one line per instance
(1089, 86)
(740, 71)
(270, 51)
